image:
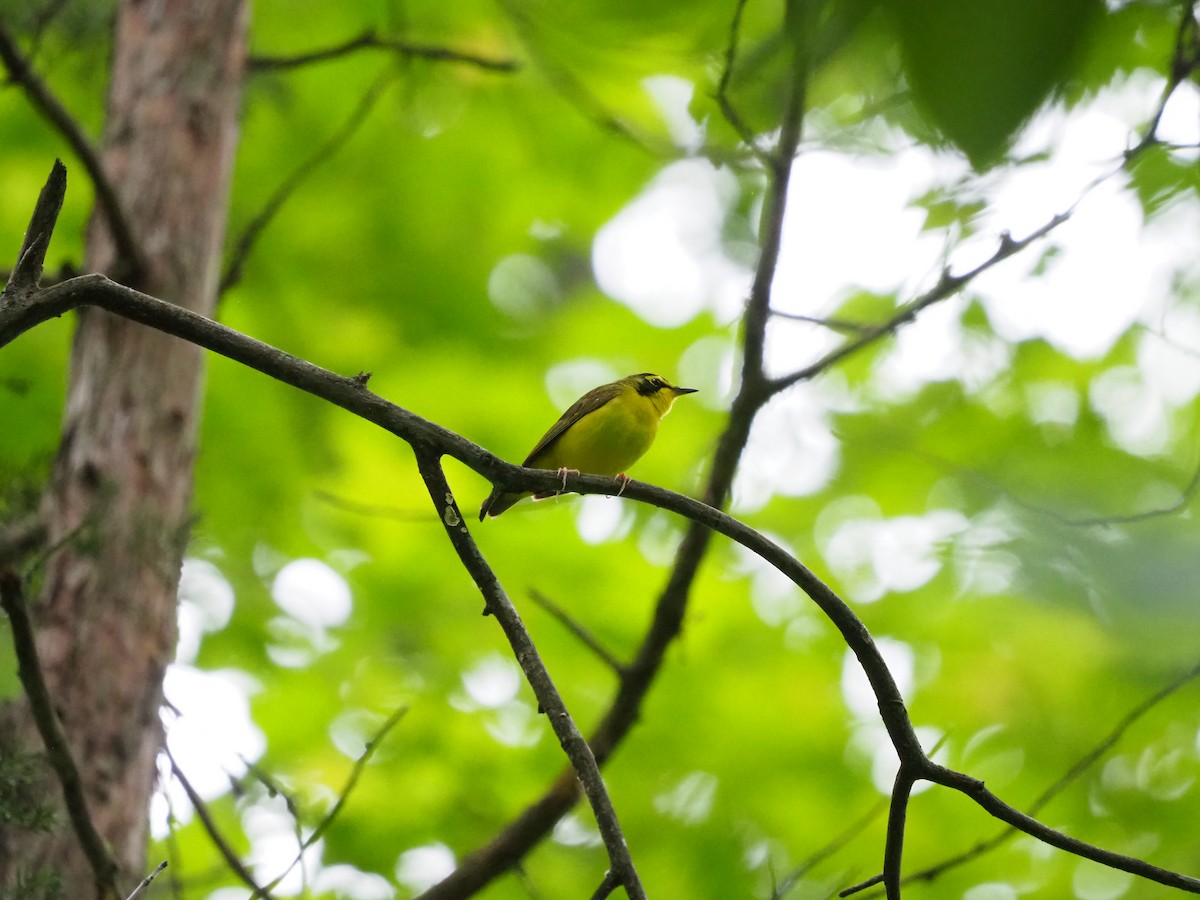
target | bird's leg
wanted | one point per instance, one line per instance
(622, 479)
(563, 473)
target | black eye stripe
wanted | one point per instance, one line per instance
(648, 385)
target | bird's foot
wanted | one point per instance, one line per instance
(563, 473)
(622, 479)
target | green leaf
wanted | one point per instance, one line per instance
(980, 68)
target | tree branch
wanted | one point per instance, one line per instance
(214, 834)
(40, 95)
(549, 701)
(588, 639)
(257, 225)
(833, 846)
(948, 285)
(369, 40)
(144, 885)
(355, 773)
(1072, 774)
(431, 441)
(58, 751)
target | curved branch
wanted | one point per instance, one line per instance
(58, 751)
(948, 285)
(246, 241)
(214, 833)
(20, 312)
(549, 700)
(43, 99)
(369, 40)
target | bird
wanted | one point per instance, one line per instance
(604, 432)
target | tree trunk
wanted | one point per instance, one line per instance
(119, 493)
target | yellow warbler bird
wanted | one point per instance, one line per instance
(604, 432)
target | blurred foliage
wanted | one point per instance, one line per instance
(981, 524)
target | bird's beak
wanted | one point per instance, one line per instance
(679, 390)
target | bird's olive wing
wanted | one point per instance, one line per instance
(588, 403)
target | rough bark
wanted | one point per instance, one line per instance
(119, 493)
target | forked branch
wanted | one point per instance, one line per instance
(431, 441)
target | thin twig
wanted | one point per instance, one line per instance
(32, 257)
(823, 853)
(947, 286)
(842, 325)
(254, 229)
(586, 637)
(214, 834)
(577, 93)
(145, 882)
(606, 886)
(1185, 59)
(1077, 769)
(1185, 496)
(58, 752)
(724, 103)
(372, 510)
(550, 702)
(431, 441)
(355, 773)
(369, 40)
(21, 72)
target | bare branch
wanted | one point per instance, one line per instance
(32, 258)
(606, 886)
(588, 639)
(355, 773)
(214, 834)
(1184, 62)
(246, 241)
(575, 92)
(549, 701)
(948, 285)
(792, 878)
(369, 40)
(893, 853)
(841, 325)
(20, 72)
(1186, 494)
(58, 751)
(372, 510)
(430, 442)
(1073, 774)
(721, 95)
(145, 882)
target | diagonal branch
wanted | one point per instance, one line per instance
(430, 442)
(549, 701)
(21, 72)
(369, 40)
(214, 833)
(58, 751)
(1184, 62)
(588, 639)
(32, 258)
(145, 883)
(355, 773)
(249, 237)
(1072, 774)
(530, 826)
(948, 285)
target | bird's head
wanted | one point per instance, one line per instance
(657, 389)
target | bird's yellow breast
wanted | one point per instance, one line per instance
(607, 440)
